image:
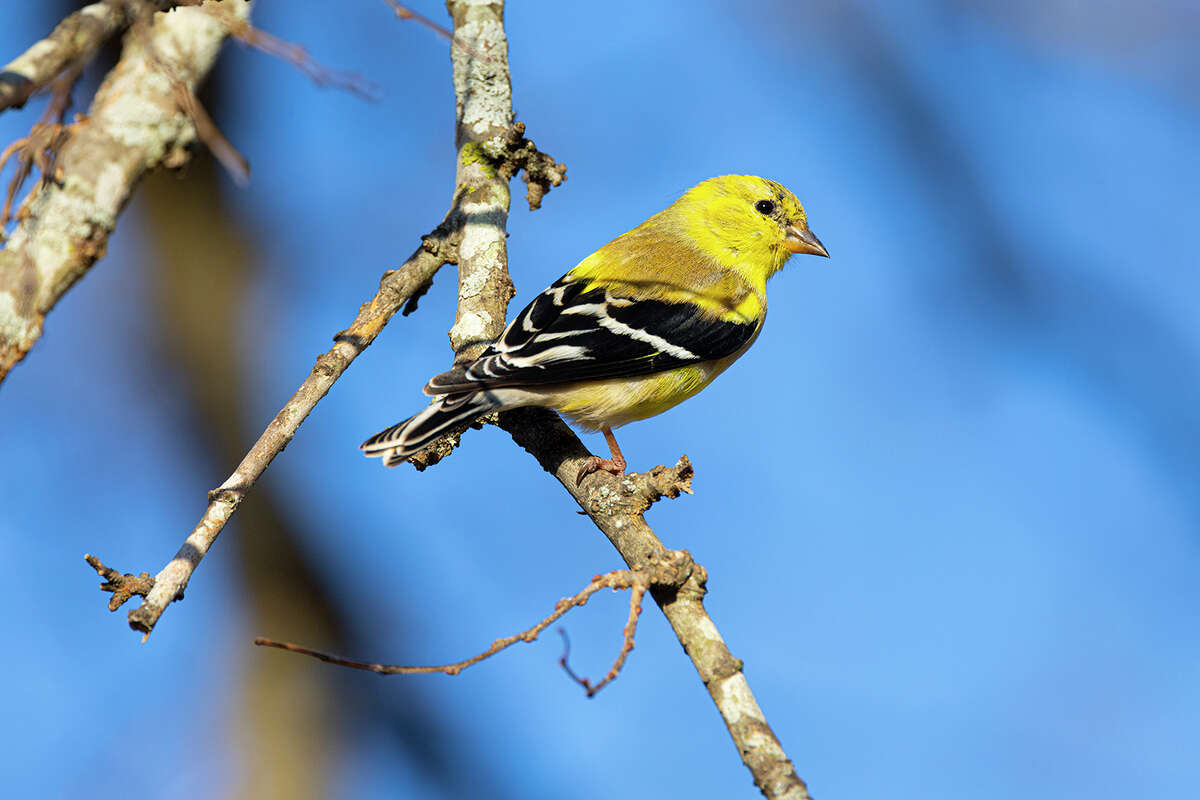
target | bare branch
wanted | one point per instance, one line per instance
(615, 504)
(639, 589)
(676, 568)
(122, 586)
(73, 41)
(38, 149)
(207, 131)
(404, 12)
(475, 229)
(483, 103)
(394, 290)
(134, 125)
(241, 29)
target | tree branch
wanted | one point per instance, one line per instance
(483, 105)
(73, 40)
(474, 234)
(134, 125)
(480, 199)
(396, 287)
(297, 56)
(615, 504)
(641, 585)
(672, 572)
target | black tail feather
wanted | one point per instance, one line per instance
(404, 439)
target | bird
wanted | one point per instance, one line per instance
(636, 328)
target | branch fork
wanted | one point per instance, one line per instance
(122, 586)
(511, 152)
(671, 572)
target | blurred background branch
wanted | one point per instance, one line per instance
(134, 124)
(72, 42)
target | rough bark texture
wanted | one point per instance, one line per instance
(72, 40)
(134, 125)
(483, 102)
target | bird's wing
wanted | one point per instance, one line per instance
(571, 333)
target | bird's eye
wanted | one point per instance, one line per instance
(764, 206)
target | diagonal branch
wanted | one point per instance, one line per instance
(241, 29)
(72, 41)
(616, 505)
(399, 289)
(134, 125)
(395, 289)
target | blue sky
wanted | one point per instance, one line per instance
(947, 502)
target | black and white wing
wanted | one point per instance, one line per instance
(569, 334)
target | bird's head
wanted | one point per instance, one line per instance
(751, 223)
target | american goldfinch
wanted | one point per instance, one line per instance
(639, 326)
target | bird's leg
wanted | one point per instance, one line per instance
(615, 465)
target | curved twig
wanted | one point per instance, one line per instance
(674, 571)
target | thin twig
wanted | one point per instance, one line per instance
(404, 12)
(60, 93)
(615, 580)
(38, 149)
(639, 589)
(296, 55)
(207, 132)
(240, 28)
(394, 289)
(122, 586)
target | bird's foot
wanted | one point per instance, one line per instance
(596, 463)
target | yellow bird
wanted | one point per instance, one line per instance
(639, 326)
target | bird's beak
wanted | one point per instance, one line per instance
(800, 239)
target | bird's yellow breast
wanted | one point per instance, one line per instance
(614, 402)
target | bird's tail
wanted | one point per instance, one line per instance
(446, 412)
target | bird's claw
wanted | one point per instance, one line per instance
(595, 464)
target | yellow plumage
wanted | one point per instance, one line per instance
(613, 402)
(637, 327)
